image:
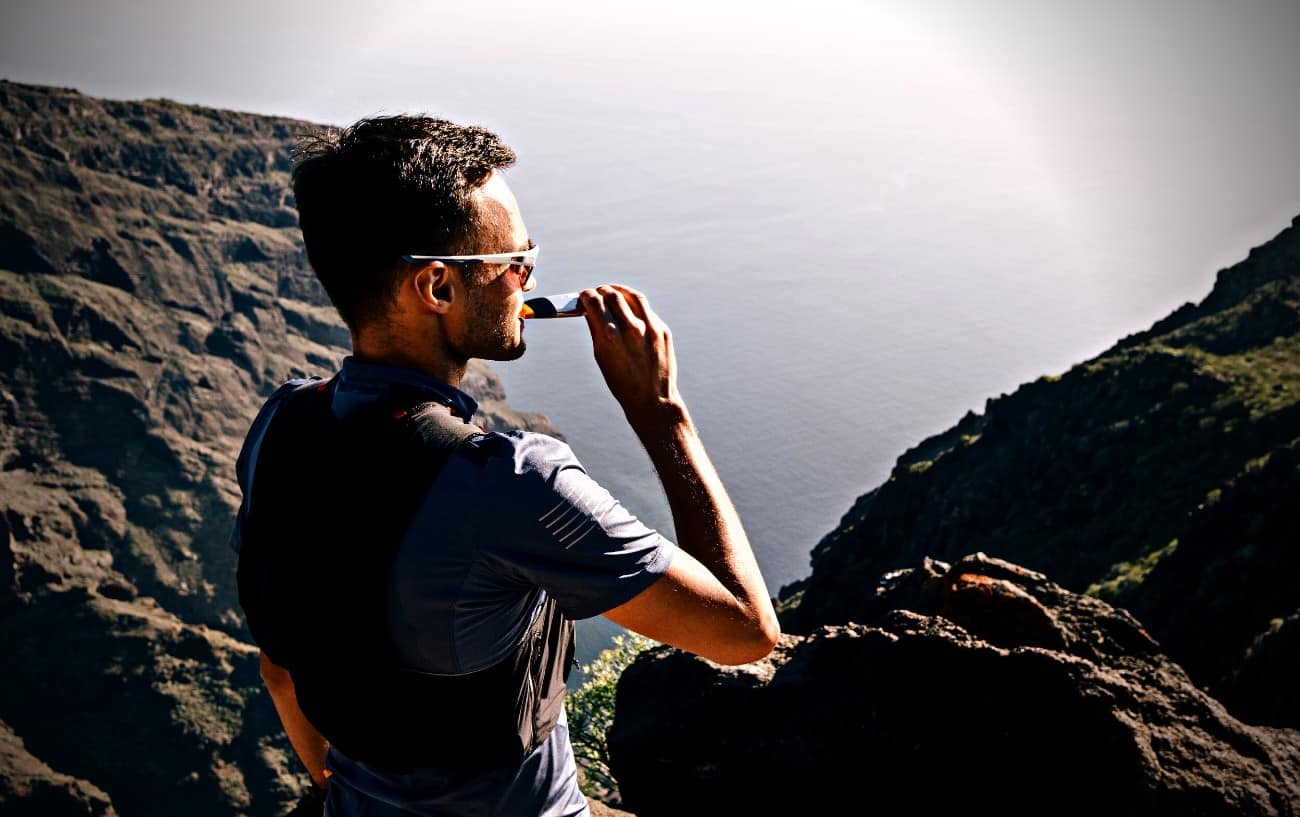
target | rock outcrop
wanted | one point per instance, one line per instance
(153, 291)
(29, 786)
(973, 686)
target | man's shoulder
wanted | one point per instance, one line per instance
(518, 474)
(281, 392)
(519, 453)
(257, 428)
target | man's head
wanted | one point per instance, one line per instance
(405, 185)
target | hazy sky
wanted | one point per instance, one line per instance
(1179, 115)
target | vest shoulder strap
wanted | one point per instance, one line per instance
(436, 426)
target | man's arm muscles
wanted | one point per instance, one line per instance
(307, 742)
(712, 601)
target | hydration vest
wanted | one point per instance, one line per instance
(330, 502)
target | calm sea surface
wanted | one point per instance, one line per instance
(830, 309)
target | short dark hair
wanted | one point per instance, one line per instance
(382, 188)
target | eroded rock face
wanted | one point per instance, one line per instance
(131, 697)
(30, 786)
(979, 685)
(153, 292)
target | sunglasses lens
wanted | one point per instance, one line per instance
(523, 271)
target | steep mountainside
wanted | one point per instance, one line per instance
(1161, 475)
(153, 290)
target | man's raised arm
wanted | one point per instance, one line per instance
(712, 601)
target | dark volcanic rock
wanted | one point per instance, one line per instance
(980, 685)
(153, 292)
(152, 709)
(30, 787)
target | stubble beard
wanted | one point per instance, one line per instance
(490, 334)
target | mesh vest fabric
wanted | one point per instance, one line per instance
(330, 504)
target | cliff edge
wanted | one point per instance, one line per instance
(978, 685)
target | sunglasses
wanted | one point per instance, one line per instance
(521, 262)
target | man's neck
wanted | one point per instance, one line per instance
(409, 356)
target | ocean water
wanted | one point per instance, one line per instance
(826, 315)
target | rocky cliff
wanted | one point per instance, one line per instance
(1161, 475)
(153, 290)
(976, 686)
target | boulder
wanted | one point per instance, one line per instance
(976, 685)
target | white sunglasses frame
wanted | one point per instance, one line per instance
(527, 258)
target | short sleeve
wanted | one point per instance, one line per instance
(557, 528)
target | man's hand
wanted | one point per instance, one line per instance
(634, 351)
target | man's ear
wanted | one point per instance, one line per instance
(433, 286)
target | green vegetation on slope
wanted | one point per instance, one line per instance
(590, 711)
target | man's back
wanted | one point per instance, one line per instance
(510, 521)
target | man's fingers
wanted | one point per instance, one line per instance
(593, 308)
(631, 344)
(636, 301)
(614, 311)
(640, 306)
(617, 306)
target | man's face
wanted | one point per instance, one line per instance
(489, 325)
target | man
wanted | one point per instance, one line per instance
(412, 582)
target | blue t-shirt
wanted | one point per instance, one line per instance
(511, 519)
